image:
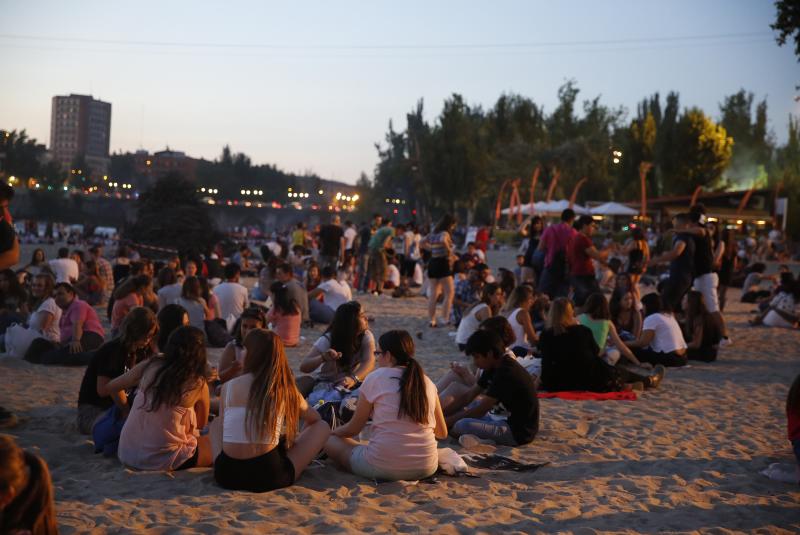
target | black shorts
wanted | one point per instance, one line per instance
(439, 268)
(191, 462)
(273, 470)
(407, 268)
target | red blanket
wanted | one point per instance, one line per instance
(628, 396)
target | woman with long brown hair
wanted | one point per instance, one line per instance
(260, 412)
(171, 405)
(26, 492)
(406, 418)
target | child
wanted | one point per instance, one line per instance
(504, 381)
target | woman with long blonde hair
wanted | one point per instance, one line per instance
(261, 411)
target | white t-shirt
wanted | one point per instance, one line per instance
(65, 269)
(169, 294)
(349, 237)
(393, 275)
(398, 443)
(53, 333)
(469, 323)
(411, 241)
(668, 335)
(418, 275)
(784, 302)
(336, 293)
(232, 297)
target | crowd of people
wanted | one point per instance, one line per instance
(575, 315)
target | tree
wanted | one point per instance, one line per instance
(170, 214)
(787, 170)
(752, 150)
(705, 150)
(787, 23)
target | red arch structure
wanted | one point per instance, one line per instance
(534, 179)
(575, 191)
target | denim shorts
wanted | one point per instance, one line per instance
(361, 467)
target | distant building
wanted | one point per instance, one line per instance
(154, 166)
(81, 126)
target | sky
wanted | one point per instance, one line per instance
(312, 86)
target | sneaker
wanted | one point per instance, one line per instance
(7, 419)
(470, 441)
(726, 341)
(658, 375)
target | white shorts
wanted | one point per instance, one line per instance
(707, 285)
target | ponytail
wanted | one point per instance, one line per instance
(413, 391)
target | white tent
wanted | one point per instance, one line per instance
(612, 208)
(552, 207)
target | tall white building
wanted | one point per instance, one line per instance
(81, 126)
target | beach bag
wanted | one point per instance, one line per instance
(451, 462)
(329, 412)
(106, 432)
(19, 339)
(325, 392)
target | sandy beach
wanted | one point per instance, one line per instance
(683, 458)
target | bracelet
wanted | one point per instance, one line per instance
(356, 378)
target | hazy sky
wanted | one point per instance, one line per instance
(313, 85)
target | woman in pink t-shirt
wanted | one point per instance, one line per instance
(284, 315)
(406, 418)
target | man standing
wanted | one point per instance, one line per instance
(681, 263)
(64, 267)
(350, 234)
(706, 281)
(232, 296)
(580, 253)
(332, 243)
(554, 242)
(377, 255)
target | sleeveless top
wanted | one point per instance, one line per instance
(519, 331)
(234, 425)
(599, 328)
(438, 247)
(636, 258)
(469, 324)
(160, 440)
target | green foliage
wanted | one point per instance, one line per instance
(170, 214)
(787, 23)
(704, 149)
(752, 150)
(787, 165)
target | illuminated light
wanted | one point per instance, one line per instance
(626, 228)
(712, 220)
(306, 195)
(739, 221)
(386, 200)
(148, 162)
(230, 203)
(414, 212)
(248, 204)
(259, 205)
(211, 201)
(290, 189)
(338, 196)
(330, 207)
(403, 202)
(241, 191)
(247, 192)
(355, 197)
(203, 189)
(395, 210)
(65, 188)
(597, 217)
(319, 192)
(105, 177)
(761, 222)
(288, 194)
(616, 160)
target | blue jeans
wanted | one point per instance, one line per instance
(486, 427)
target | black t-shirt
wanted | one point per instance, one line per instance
(570, 361)
(330, 239)
(512, 386)
(682, 267)
(703, 255)
(107, 361)
(7, 235)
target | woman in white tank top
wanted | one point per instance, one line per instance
(518, 315)
(492, 299)
(253, 454)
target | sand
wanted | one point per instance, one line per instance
(683, 458)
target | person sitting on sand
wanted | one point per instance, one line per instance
(517, 311)
(597, 317)
(81, 331)
(42, 323)
(661, 341)
(128, 296)
(284, 315)
(260, 412)
(406, 418)
(492, 299)
(503, 380)
(344, 355)
(26, 492)
(335, 294)
(90, 285)
(627, 320)
(571, 357)
(782, 309)
(171, 405)
(192, 300)
(231, 363)
(170, 318)
(115, 357)
(702, 332)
